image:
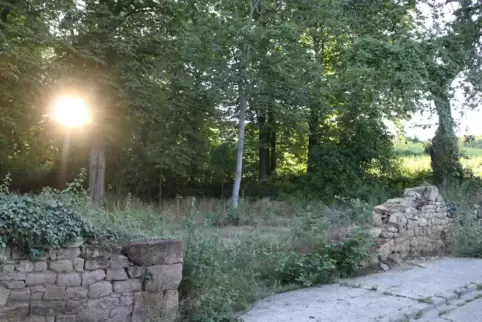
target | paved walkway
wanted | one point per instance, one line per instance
(445, 290)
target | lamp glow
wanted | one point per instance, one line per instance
(71, 112)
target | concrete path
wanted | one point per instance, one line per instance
(444, 290)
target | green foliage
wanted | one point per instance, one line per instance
(31, 223)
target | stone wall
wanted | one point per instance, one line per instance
(417, 224)
(87, 283)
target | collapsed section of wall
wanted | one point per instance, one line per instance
(87, 283)
(417, 224)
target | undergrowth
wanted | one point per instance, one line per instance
(231, 259)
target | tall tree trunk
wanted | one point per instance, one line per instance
(263, 141)
(272, 127)
(312, 140)
(314, 120)
(97, 170)
(444, 152)
(243, 102)
(160, 188)
(239, 153)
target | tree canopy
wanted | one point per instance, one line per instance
(193, 97)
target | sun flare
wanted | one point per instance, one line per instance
(71, 112)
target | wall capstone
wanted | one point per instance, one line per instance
(416, 224)
(88, 283)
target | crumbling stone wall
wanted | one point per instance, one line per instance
(416, 224)
(87, 283)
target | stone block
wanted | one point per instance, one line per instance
(7, 268)
(116, 274)
(92, 251)
(118, 261)
(24, 267)
(69, 279)
(4, 294)
(65, 318)
(61, 266)
(35, 318)
(48, 308)
(170, 305)
(40, 278)
(13, 284)
(55, 293)
(40, 266)
(120, 313)
(127, 299)
(128, 286)
(92, 277)
(22, 295)
(97, 263)
(68, 253)
(93, 315)
(422, 222)
(100, 289)
(78, 264)
(106, 303)
(75, 306)
(76, 293)
(15, 312)
(157, 252)
(164, 277)
(140, 312)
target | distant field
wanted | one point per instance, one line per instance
(414, 160)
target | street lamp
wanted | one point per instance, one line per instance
(71, 112)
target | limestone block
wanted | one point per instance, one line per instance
(380, 209)
(92, 277)
(13, 284)
(137, 271)
(21, 295)
(422, 222)
(4, 294)
(128, 286)
(46, 277)
(376, 218)
(119, 261)
(70, 279)
(93, 315)
(61, 266)
(78, 264)
(68, 253)
(120, 313)
(157, 252)
(100, 289)
(116, 274)
(74, 306)
(168, 277)
(76, 293)
(127, 299)
(65, 318)
(47, 307)
(35, 318)
(37, 292)
(40, 266)
(140, 311)
(92, 251)
(170, 303)
(17, 311)
(392, 229)
(97, 263)
(105, 303)
(24, 267)
(55, 293)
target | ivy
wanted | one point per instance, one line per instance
(31, 223)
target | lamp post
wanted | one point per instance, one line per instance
(71, 112)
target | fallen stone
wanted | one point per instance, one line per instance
(157, 252)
